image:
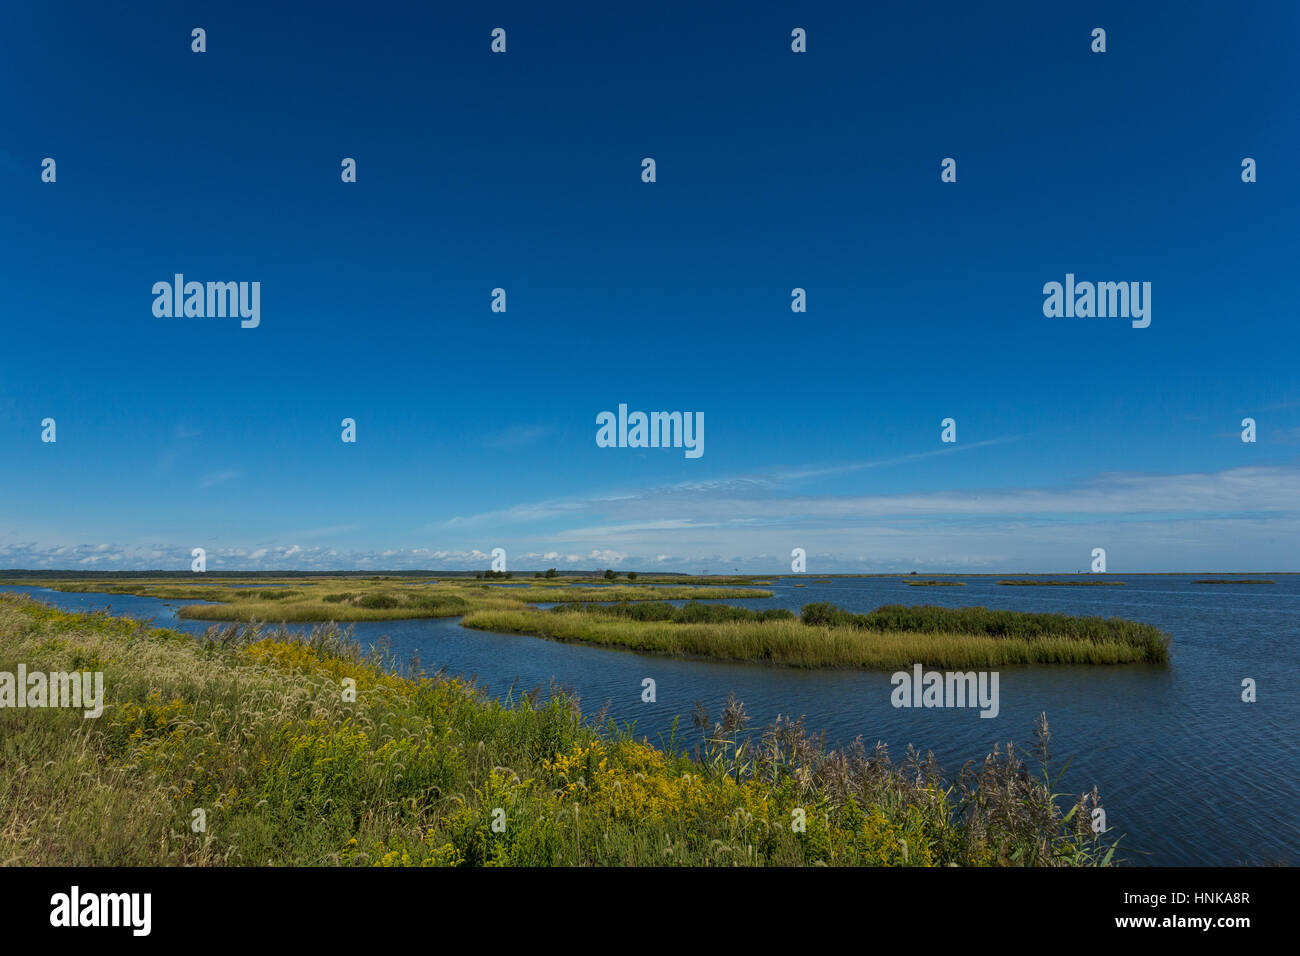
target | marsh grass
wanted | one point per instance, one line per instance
(253, 726)
(889, 639)
(1146, 642)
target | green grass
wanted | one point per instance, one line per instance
(888, 639)
(932, 584)
(260, 732)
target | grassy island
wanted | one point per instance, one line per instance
(824, 636)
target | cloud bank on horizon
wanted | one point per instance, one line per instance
(1238, 519)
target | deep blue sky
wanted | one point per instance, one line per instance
(775, 170)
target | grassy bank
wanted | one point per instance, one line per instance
(888, 639)
(257, 731)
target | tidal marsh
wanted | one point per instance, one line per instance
(378, 598)
(256, 729)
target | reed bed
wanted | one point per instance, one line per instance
(1147, 642)
(829, 638)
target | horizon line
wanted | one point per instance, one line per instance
(410, 572)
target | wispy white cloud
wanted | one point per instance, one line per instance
(1242, 518)
(738, 520)
(752, 484)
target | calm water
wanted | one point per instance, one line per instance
(1189, 773)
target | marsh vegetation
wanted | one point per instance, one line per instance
(889, 638)
(255, 728)
(380, 598)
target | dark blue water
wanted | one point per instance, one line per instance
(1186, 770)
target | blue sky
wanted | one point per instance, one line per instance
(775, 170)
